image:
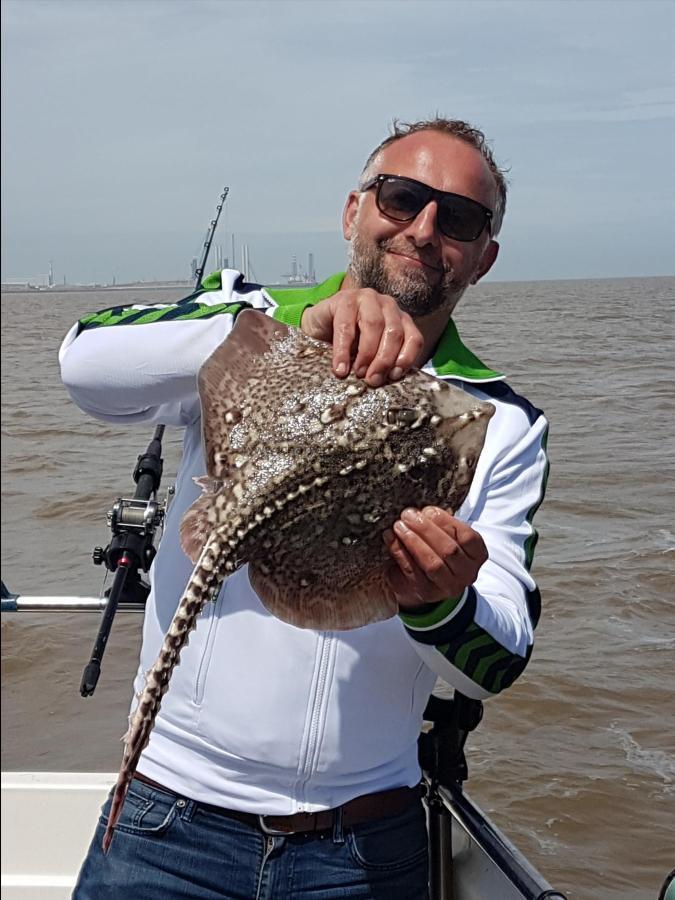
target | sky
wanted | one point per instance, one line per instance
(123, 121)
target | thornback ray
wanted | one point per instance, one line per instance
(305, 472)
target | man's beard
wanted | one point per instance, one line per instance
(411, 289)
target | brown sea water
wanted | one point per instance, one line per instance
(576, 762)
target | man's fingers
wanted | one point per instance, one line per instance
(438, 555)
(436, 541)
(411, 347)
(391, 339)
(368, 328)
(470, 541)
(344, 335)
(407, 581)
(435, 567)
(399, 348)
(371, 323)
(399, 554)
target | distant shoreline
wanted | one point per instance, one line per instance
(188, 286)
(72, 288)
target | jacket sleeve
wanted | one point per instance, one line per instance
(139, 363)
(481, 642)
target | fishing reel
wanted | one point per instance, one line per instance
(142, 516)
(133, 523)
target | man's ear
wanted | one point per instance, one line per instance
(487, 261)
(349, 214)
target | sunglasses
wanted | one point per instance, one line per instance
(401, 199)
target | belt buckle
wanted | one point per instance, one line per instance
(272, 832)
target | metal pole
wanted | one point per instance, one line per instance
(441, 867)
(24, 603)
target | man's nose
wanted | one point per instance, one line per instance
(424, 227)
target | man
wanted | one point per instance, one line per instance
(283, 761)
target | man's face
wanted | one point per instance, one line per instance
(412, 261)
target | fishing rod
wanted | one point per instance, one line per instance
(199, 274)
(133, 522)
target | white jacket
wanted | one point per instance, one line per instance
(262, 716)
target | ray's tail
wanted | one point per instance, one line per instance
(207, 573)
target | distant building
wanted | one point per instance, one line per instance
(43, 280)
(297, 277)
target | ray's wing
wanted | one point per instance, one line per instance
(232, 379)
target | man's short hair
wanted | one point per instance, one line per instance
(454, 128)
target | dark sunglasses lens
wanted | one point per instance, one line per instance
(401, 200)
(461, 219)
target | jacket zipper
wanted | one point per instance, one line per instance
(205, 661)
(325, 654)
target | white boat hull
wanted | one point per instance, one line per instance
(48, 819)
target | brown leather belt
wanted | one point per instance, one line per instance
(366, 808)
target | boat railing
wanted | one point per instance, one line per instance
(13, 603)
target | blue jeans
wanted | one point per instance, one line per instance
(166, 846)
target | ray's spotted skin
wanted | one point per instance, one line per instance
(305, 473)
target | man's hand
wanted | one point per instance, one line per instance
(435, 556)
(386, 342)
